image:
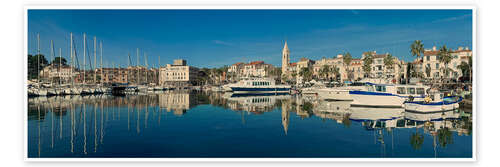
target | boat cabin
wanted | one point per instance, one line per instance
(405, 90)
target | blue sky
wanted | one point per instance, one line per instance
(213, 38)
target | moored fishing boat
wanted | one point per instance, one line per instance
(439, 104)
(259, 86)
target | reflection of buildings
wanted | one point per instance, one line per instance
(255, 104)
(336, 110)
(179, 102)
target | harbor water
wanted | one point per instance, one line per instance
(223, 125)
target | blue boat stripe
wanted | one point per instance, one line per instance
(259, 89)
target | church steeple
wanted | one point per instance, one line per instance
(285, 59)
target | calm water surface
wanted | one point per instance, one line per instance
(189, 124)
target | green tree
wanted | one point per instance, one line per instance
(444, 56)
(306, 74)
(324, 71)
(367, 63)
(347, 59)
(417, 50)
(33, 65)
(428, 71)
(336, 72)
(389, 62)
(58, 60)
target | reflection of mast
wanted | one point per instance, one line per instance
(147, 113)
(60, 120)
(39, 137)
(52, 125)
(128, 117)
(95, 125)
(84, 129)
(72, 125)
(102, 120)
(138, 117)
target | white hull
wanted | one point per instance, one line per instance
(334, 94)
(413, 107)
(377, 101)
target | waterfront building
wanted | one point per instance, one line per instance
(131, 75)
(55, 73)
(178, 74)
(433, 68)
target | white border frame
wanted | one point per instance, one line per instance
(257, 7)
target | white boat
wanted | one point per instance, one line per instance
(340, 93)
(387, 95)
(217, 89)
(438, 105)
(314, 89)
(227, 87)
(259, 86)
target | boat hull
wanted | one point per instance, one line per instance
(372, 99)
(432, 107)
(335, 95)
(250, 90)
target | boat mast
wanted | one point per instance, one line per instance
(60, 59)
(95, 60)
(102, 77)
(138, 69)
(128, 69)
(84, 55)
(159, 66)
(146, 64)
(38, 57)
(51, 57)
(71, 57)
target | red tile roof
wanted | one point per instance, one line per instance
(430, 53)
(236, 64)
(293, 64)
(255, 63)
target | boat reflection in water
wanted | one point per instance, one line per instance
(200, 124)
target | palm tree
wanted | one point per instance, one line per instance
(324, 71)
(388, 62)
(367, 63)
(306, 74)
(428, 71)
(336, 71)
(444, 56)
(416, 49)
(347, 58)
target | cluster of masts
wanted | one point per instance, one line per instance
(74, 64)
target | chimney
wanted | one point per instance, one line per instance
(460, 48)
(434, 48)
(339, 56)
(466, 48)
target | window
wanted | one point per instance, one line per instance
(401, 90)
(411, 90)
(420, 91)
(455, 64)
(380, 88)
(428, 58)
(437, 65)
